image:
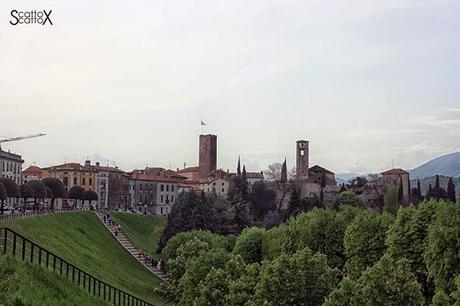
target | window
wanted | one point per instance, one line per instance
(83, 181)
(75, 181)
(161, 187)
(172, 187)
(161, 209)
(302, 152)
(172, 198)
(222, 189)
(161, 198)
(66, 181)
(222, 184)
(167, 198)
(91, 181)
(167, 187)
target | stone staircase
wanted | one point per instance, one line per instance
(128, 245)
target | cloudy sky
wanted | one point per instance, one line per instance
(366, 82)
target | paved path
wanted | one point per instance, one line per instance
(128, 245)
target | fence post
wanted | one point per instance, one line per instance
(4, 241)
(23, 248)
(14, 244)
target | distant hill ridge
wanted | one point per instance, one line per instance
(447, 165)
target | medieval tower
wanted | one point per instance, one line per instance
(301, 159)
(208, 155)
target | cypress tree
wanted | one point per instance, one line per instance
(451, 191)
(437, 189)
(284, 172)
(400, 191)
(243, 176)
(238, 168)
(429, 193)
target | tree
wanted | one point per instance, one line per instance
(273, 173)
(76, 193)
(243, 175)
(451, 196)
(12, 189)
(391, 200)
(407, 238)
(197, 269)
(294, 206)
(321, 231)
(57, 188)
(429, 193)
(249, 244)
(284, 178)
(3, 195)
(26, 193)
(238, 168)
(388, 282)
(342, 188)
(364, 242)
(284, 280)
(39, 191)
(442, 253)
(350, 198)
(261, 199)
(90, 196)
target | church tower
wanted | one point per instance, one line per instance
(302, 159)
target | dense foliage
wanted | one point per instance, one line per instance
(353, 256)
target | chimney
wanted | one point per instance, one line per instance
(87, 163)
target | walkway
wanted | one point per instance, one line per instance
(128, 245)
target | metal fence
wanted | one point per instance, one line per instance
(18, 246)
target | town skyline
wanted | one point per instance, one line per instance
(366, 83)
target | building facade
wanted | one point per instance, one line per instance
(11, 166)
(154, 190)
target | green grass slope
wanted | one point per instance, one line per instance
(83, 240)
(143, 230)
(24, 284)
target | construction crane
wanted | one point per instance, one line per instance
(20, 138)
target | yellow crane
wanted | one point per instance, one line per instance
(19, 138)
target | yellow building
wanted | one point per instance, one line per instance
(74, 174)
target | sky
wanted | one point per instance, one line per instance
(369, 83)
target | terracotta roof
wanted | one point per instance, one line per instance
(156, 175)
(255, 174)
(316, 167)
(395, 171)
(189, 169)
(31, 170)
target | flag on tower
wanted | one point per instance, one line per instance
(202, 122)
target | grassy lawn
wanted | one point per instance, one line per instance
(143, 230)
(83, 240)
(25, 284)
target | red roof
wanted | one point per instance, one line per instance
(395, 171)
(189, 169)
(32, 170)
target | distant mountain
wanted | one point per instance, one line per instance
(447, 165)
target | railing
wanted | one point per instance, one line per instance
(23, 215)
(12, 243)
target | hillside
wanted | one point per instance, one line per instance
(143, 230)
(25, 284)
(447, 165)
(83, 240)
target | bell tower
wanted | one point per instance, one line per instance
(302, 151)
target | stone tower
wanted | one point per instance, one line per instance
(301, 159)
(208, 154)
